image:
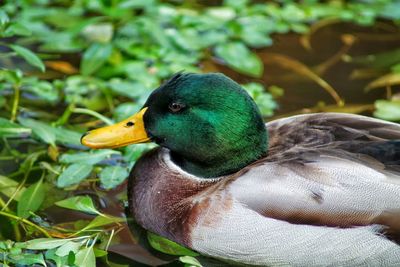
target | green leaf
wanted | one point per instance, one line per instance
(387, 110)
(91, 157)
(43, 90)
(67, 247)
(95, 57)
(71, 258)
(45, 243)
(68, 137)
(17, 29)
(11, 129)
(8, 187)
(11, 76)
(167, 246)
(125, 110)
(4, 19)
(30, 160)
(101, 32)
(190, 261)
(264, 100)
(222, 14)
(99, 252)
(74, 174)
(27, 259)
(29, 56)
(101, 221)
(237, 4)
(40, 130)
(79, 203)
(112, 176)
(50, 134)
(85, 258)
(59, 261)
(257, 39)
(31, 199)
(391, 10)
(240, 58)
(131, 89)
(133, 152)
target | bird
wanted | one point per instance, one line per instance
(319, 189)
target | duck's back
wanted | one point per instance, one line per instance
(349, 165)
(328, 193)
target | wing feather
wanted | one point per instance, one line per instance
(330, 169)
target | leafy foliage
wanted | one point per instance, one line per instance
(76, 251)
(167, 246)
(68, 66)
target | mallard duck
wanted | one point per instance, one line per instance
(308, 190)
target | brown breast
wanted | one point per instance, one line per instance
(163, 200)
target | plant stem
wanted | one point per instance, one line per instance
(9, 54)
(7, 158)
(65, 116)
(17, 218)
(26, 175)
(109, 99)
(94, 114)
(15, 227)
(14, 109)
(109, 240)
(14, 174)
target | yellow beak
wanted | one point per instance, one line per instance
(129, 131)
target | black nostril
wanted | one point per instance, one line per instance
(129, 124)
(84, 136)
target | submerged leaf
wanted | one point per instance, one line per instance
(62, 66)
(305, 39)
(386, 80)
(31, 199)
(74, 174)
(79, 203)
(300, 68)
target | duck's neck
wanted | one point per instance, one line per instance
(221, 162)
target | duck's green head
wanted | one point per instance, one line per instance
(209, 123)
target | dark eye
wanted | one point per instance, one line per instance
(175, 107)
